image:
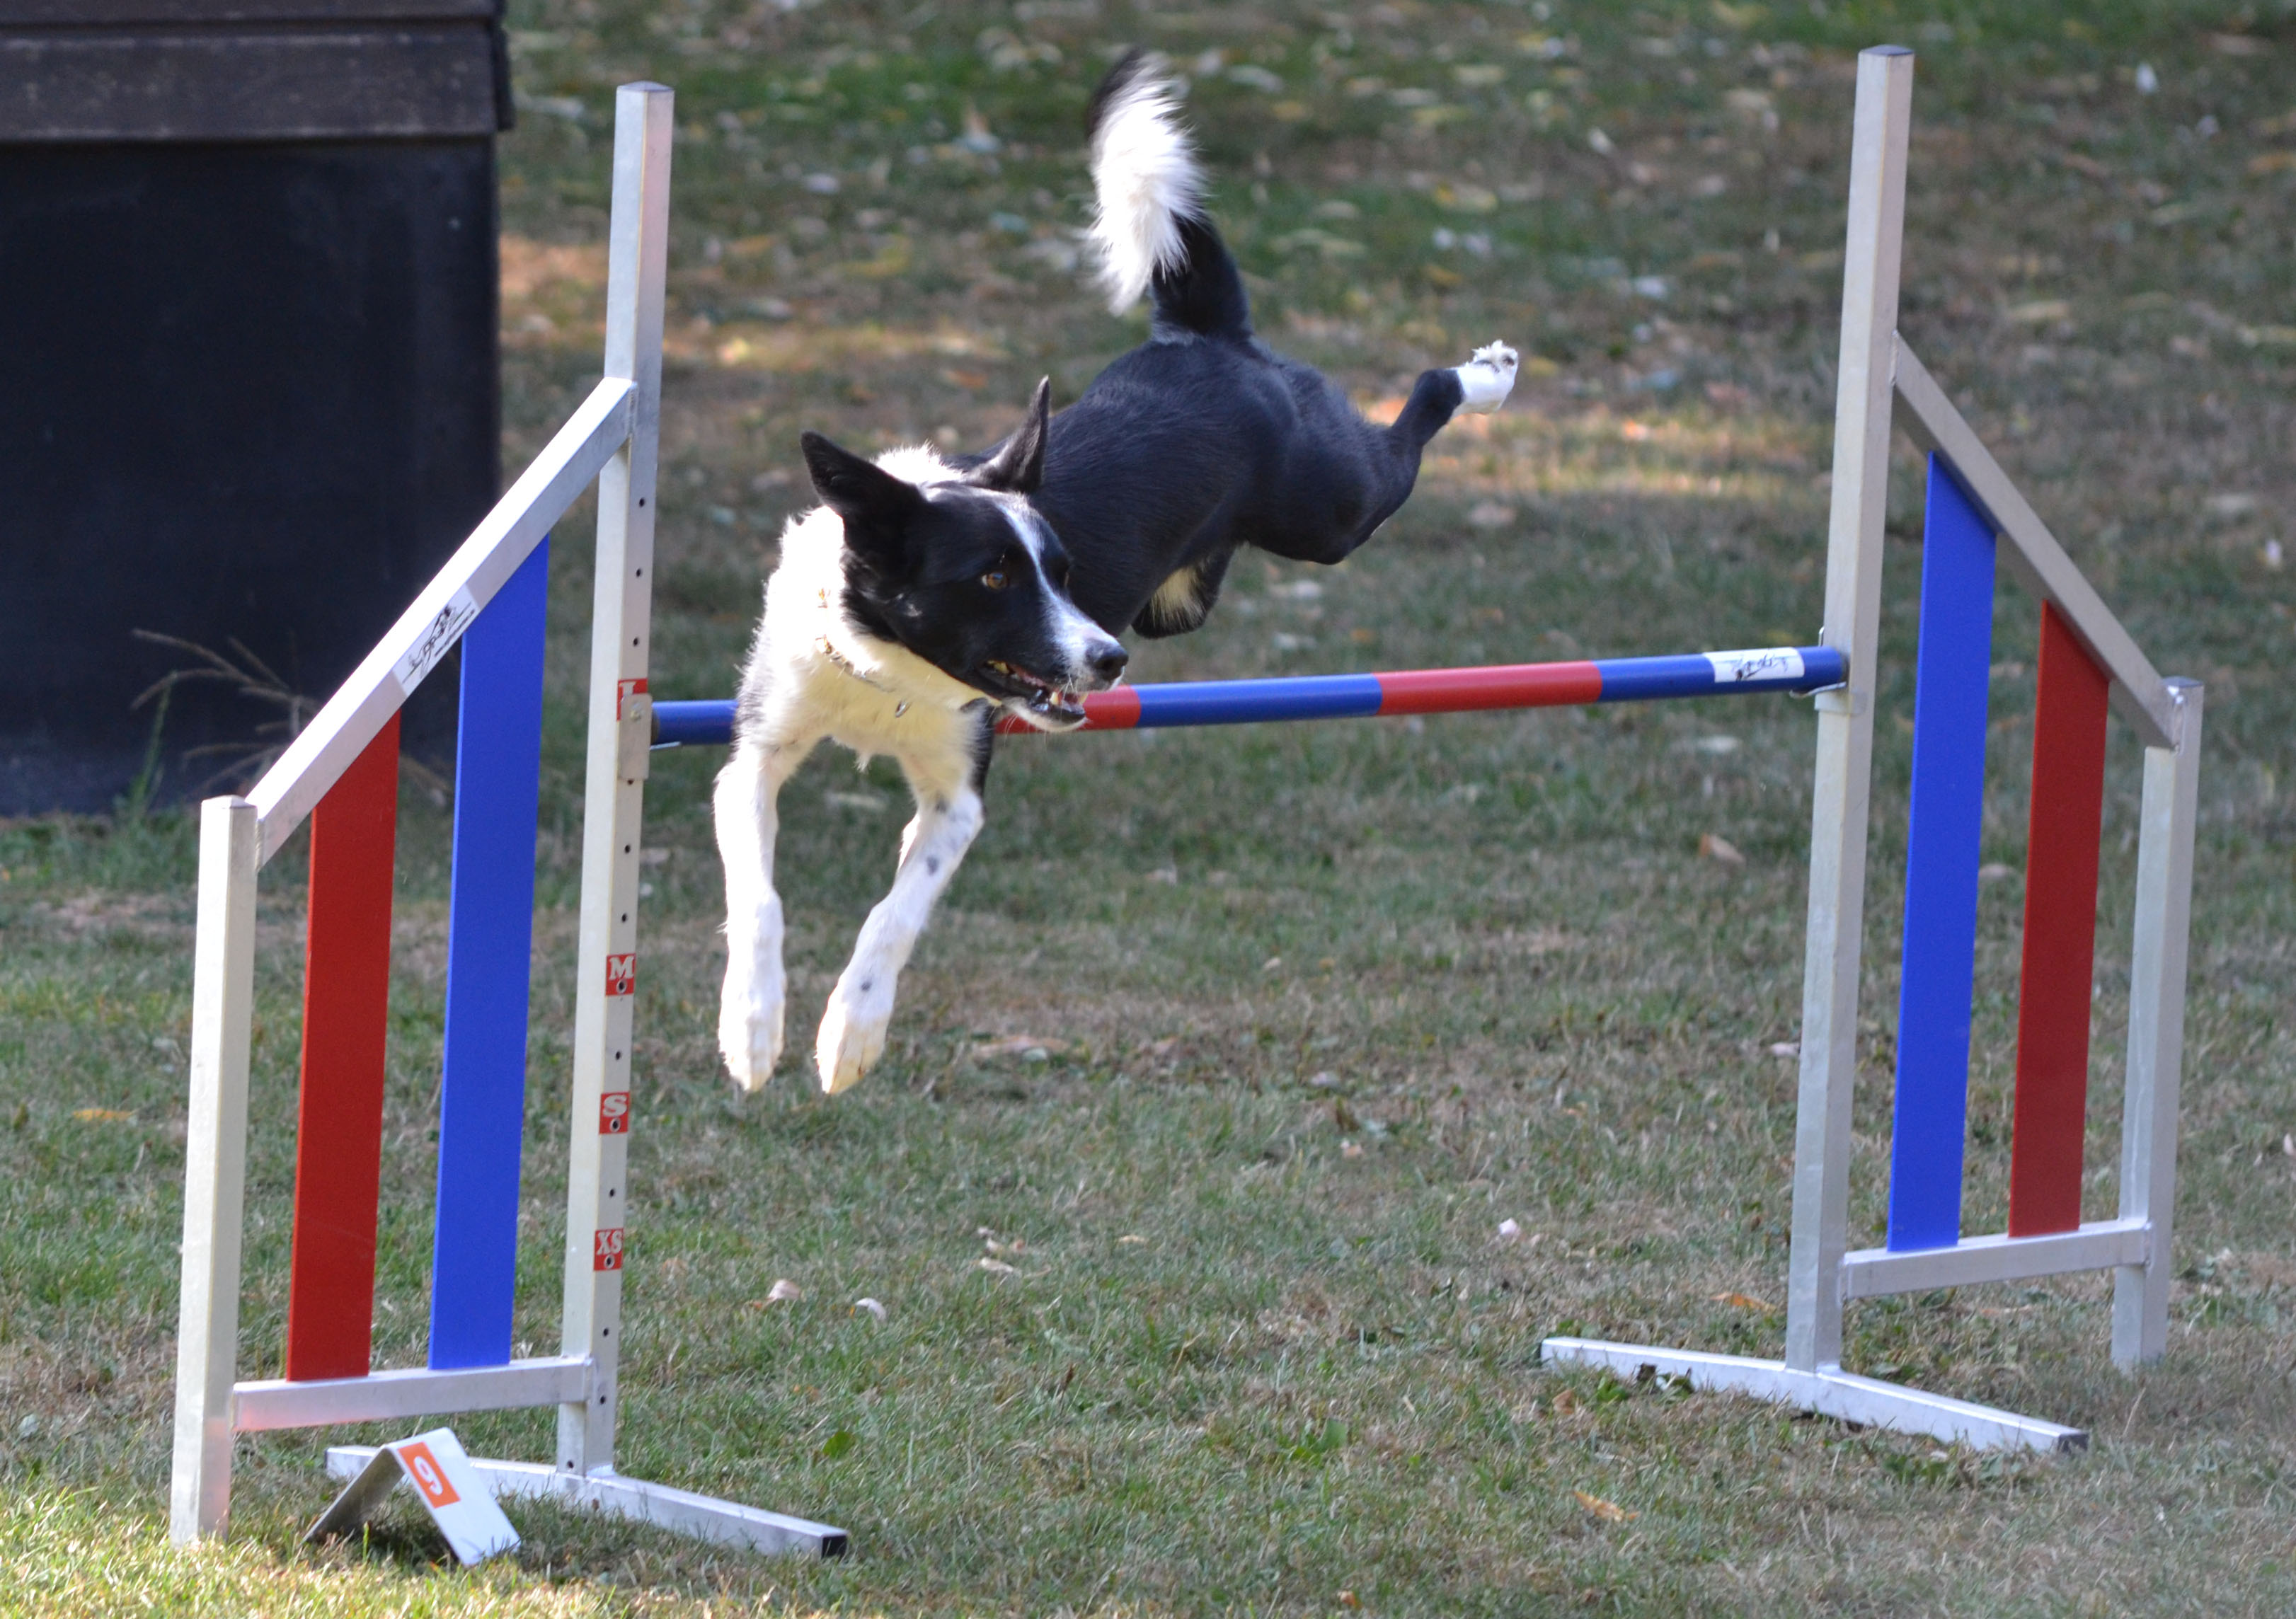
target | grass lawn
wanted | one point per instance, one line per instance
(1230, 1050)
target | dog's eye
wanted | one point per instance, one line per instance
(995, 579)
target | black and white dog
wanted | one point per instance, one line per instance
(927, 594)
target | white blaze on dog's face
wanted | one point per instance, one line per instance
(967, 576)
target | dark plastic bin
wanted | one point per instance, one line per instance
(249, 306)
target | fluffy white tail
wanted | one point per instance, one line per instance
(1145, 175)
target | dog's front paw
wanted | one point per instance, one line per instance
(1488, 378)
(852, 1031)
(749, 1027)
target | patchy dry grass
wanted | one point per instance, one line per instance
(1317, 1006)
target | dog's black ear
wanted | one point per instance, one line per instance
(1018, 466)
(876, 505)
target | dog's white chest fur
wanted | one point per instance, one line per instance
(823, 679)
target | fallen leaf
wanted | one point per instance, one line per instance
(872, 1306)
(1348, 1598)
(102, 1116)
(1610, 1512)
(1029, 1048)
(1994, 872)
(2271, 162)
(2040, 311)
(1785, 1048)
(1510, 1231)
(1491, 514)
(1563, 1403)
(839, 1444)
(996, 1266)
(1742, 1301)
(1350, 1149)
(1323, 1081)
(1130, 1236)
(1713, 845)
(784, 1291)
(1013, 1246)
(2231, 505)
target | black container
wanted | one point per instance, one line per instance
(249, 335)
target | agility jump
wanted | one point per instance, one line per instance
(341, 774)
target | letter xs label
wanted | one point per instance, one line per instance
(622, 975)
(609, 1253)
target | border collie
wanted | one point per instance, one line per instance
(927, 594)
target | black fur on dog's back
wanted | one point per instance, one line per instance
(1203, 439)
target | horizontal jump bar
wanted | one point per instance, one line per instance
(1329, 697)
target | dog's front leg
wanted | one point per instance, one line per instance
(853, 1026)
(750, 1007)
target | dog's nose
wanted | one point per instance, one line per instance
(1109, 662)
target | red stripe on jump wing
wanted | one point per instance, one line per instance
(2052, 998)
(1522, 686)
(338, 1122)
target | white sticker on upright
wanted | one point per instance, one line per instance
(438, 639)
(1764, 663)
(452, 1492)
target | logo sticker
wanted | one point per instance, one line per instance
(609, 1254)
(625, 690)
(614, 1112)
(622, 975)
(1766, 664)
(438, 639)
(429, 1476)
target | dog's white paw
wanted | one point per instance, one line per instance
(852, 1035)
(1487, 379)
(749, 1027)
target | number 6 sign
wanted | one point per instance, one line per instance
(452, 1491)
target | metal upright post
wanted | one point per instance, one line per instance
(613, 798)
(2156, 1030)
(1845, 718)
(215, 1168)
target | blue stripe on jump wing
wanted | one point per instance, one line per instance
(1631, 680)
(1945, 825)
(1240, 703)
(489, 946)
(694, 724)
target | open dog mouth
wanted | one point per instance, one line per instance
(1041, 700)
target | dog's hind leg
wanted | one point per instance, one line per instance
(1362, 474)
(948, 818)
(750, 1006)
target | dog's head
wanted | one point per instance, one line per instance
(967, 576)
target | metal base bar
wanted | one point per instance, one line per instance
(415, 1391)
(1829, 1390)
(701, 1518)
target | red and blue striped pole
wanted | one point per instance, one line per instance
(1331, 696)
